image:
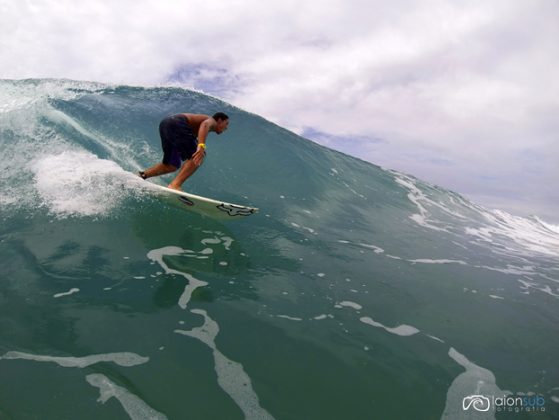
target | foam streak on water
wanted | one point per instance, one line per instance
(134, 406)
(68, 293)
(121, 359)
(231, 376)
(403, 330)
(474, 381)
(158, 255)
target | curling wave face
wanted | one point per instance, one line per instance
(359, 280)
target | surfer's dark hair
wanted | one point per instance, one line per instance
(220, 116)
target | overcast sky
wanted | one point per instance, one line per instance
(464, 94)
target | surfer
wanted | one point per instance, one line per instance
(183, 138)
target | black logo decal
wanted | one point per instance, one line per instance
(235, 210)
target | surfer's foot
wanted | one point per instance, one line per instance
(174, 187)
(142, 175)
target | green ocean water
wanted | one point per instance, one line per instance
(356, 293)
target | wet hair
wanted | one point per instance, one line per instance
(220, 116)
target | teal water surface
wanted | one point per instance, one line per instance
(356, 293)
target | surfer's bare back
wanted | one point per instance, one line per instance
(183, 138)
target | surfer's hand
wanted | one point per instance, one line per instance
(198, 156)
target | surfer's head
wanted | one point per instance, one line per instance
(222, 120)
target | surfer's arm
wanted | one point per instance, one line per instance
(205, 127)
(198, 156)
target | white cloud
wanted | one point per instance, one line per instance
(457, 91)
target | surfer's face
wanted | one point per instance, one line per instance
(221, 126)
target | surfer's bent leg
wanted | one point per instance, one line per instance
(188, 168)
(157, 169)
(172, 130)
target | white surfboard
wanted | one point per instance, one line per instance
(208, 207)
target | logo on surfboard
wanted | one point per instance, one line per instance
(235, 210)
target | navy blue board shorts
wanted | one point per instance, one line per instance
(177, 140)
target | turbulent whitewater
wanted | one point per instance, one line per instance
(356, 293)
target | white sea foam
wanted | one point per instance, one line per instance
(122, 359)
(308, 229)
(435, 338)
(25, 94)
(231, 375)
(349, 304)
(402, 330)
(211, 241)
(227, 242)
(379, 250)
(474, 381)
(517, 271)
(68, 293)
(416, 196)
(376, 249)
(353, 191)
(7, 200)
(441, 261)
(528, 234)
(291, 318)
(528, 273)
(157, 255)
(80, 184)
(548, 226)
(526, 285)
(531, 234)
(135, 407)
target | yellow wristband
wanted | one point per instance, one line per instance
(202, 145)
